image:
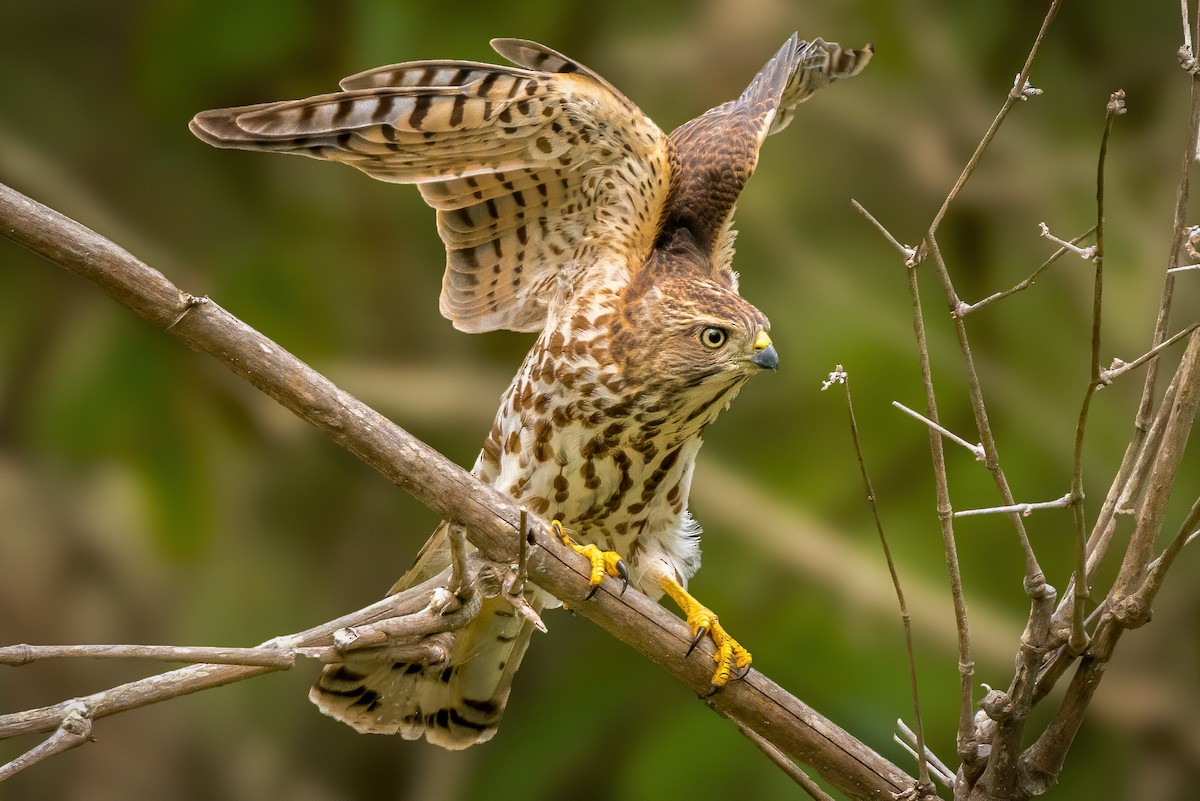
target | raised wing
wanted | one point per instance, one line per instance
(537, 172)
(718, 150)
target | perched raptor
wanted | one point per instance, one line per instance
(565, 211)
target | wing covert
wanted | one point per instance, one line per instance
(718, 151)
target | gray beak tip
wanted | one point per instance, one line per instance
(767, 358)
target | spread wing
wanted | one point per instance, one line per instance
(718, 150)
(537, 172)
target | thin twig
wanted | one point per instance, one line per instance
(1022, 509)
(1014, 94)
(1179, 237)
(1187, 56)
(1153, 507)
(968, 308)
(1116, 107)
(909, 254)
(1157, 570)
(1006, 738)
(199, 677)
(1035, 580)
(1119, 368)
(781, 761)
(265, 656)
(966, 742)
(1087, 254)
(976, 449)
(905, 618)
(941, 778)
(935, 764)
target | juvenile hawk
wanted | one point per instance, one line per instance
(565, 211)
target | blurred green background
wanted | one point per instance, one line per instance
(148, 495)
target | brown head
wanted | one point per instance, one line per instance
(684, 333)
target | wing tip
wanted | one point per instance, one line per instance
(235, 127)
(217, 127)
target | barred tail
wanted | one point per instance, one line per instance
(454, 705)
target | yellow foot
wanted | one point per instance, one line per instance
(603, 562)
(730, 654)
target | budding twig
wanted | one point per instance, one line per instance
(1087, 254)
(1024, 91)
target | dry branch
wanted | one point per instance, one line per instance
(491, 518)
(994, 766)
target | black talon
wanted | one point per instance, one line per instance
(699, 636)
(713, 689)
(743, 674)
(623, 572)
(591, 592)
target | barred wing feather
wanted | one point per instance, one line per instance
(531, 169)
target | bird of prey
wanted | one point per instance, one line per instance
(565, 211)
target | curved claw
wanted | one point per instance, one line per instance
(730, 655)
(700, 634)
(591, 591)
(623, 572)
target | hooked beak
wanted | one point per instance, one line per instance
(765, 355)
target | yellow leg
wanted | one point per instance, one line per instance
(603, 562)
(730, 653)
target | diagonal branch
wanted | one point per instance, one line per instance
(491, 518)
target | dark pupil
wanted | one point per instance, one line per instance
(714, 336)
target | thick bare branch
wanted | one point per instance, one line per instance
(491, 518)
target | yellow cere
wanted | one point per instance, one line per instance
(762, 342)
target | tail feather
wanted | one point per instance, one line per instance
(455, 705)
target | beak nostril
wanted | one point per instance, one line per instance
(762, 341)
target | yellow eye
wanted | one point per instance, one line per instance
(713, 337)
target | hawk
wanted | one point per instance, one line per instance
(565, 211)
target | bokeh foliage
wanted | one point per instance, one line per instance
(148, 496)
